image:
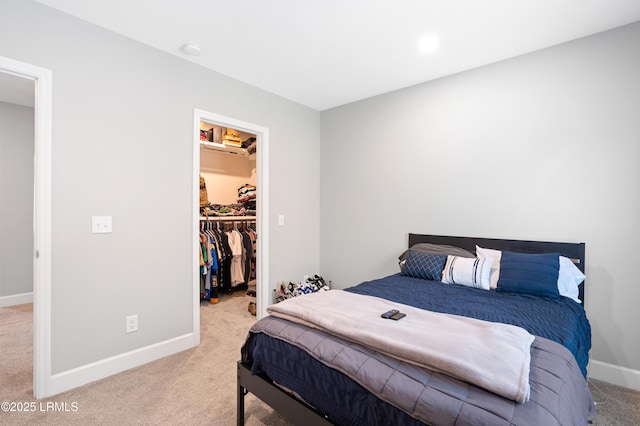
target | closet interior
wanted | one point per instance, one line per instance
(228, 212)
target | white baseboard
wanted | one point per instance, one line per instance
(16, 299)
(614, 374)
(76, 377)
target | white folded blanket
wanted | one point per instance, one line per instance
(491, 355)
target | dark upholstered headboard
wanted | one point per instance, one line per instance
(574, 251)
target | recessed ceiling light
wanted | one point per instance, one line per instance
(428, 43)
(191, 49)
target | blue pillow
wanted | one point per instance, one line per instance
(535, 274)
(424, 265)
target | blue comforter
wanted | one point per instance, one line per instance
(563, 321)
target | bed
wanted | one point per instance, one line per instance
(321, 373)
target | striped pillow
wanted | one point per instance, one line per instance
(469, 272)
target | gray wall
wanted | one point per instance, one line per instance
(122, 146)
(545, 146)
(16, 199)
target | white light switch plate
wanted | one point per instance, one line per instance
(101, 225)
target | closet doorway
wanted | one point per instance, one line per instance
(211, 136)
(40, 82)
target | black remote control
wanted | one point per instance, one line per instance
(397, 316)
(390, 313)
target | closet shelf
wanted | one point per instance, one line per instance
(229, 218)
(227, 149)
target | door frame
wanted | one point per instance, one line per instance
(42, 78)
(262, 208)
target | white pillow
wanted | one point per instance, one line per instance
(467, 271)
(569, 276)
(569, 279)
(496, 255)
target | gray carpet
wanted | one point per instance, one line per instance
(194, 387)
(617, 406)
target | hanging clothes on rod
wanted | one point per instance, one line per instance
(227, 253)
(209, 264)
(235, 242)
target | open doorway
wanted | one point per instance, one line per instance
(17, 119)
(38, 82)
(261, 135)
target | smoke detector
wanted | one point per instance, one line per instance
(191, 49)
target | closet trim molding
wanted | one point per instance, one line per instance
(262, 205)
(43, 106)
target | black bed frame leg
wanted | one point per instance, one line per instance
(240, 402)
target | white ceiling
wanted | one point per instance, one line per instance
(325, 53)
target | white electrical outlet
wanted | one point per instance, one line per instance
(132, 323)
